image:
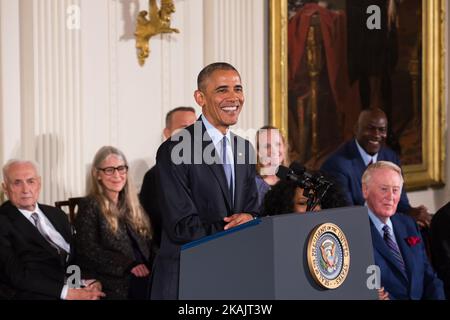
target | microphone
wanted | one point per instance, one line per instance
(297, 173)
(316, 180)
(285, 173)
(298, 168)
(307, 178)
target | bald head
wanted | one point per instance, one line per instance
(371, 114)
(371, 130)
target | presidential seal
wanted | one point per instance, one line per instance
(328, 255)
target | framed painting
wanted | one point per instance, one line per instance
(331, 59)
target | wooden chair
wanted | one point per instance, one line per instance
(2, 197)
(71, 204)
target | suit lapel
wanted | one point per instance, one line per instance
(216, 167)
(239, 171)
(400, 235)
(383, 154)
(383, 249)
(357, 160)
(358, 167)
(358, 170)
(25, 227)
(57, 222)
(217, 170)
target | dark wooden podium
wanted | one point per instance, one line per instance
(268, 259)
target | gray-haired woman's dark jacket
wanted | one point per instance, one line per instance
(108, 256)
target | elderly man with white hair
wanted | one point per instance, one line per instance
(398, 247)
(35, 242)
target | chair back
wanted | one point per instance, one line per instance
(72, 206)
(2, 197)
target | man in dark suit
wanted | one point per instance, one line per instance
(397, 243)
(206, 175)
(440, 245)
(176, 119)
(35, 241)
(348, 163)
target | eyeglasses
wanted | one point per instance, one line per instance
(109, 171)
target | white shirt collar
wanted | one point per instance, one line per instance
(47, 226)
(365, 156)
(28, 213)
(377, 222)
(214, 133)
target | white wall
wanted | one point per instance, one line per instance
(130, 101)
(9, 79)
(236, 31)
(66, 92)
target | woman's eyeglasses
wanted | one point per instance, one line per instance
(109, 171)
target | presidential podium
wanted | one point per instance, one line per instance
(322, 255)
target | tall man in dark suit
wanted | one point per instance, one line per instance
(206, 175)
(398, 246)
(348, 163)
(440, 245)
(176, 119)
(35, 241)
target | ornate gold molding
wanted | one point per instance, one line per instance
(432, 169)
(431, 172)
(278, 112)
(157, 23)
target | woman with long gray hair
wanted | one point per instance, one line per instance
(113, 237)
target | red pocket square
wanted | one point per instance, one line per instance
(412, 241)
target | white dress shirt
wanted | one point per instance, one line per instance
(47, 226)
(379, 225)
(365, 156)
(216, 137)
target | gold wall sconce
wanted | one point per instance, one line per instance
(158, 22)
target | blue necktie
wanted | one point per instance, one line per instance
(227, 167)
(393, 246)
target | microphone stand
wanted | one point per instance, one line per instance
(318, 194)
(310, 203)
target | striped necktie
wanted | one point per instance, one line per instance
(227, 168)
(393, 246)
(38, 224)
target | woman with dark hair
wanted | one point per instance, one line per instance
(287, 197)
(113, 238)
